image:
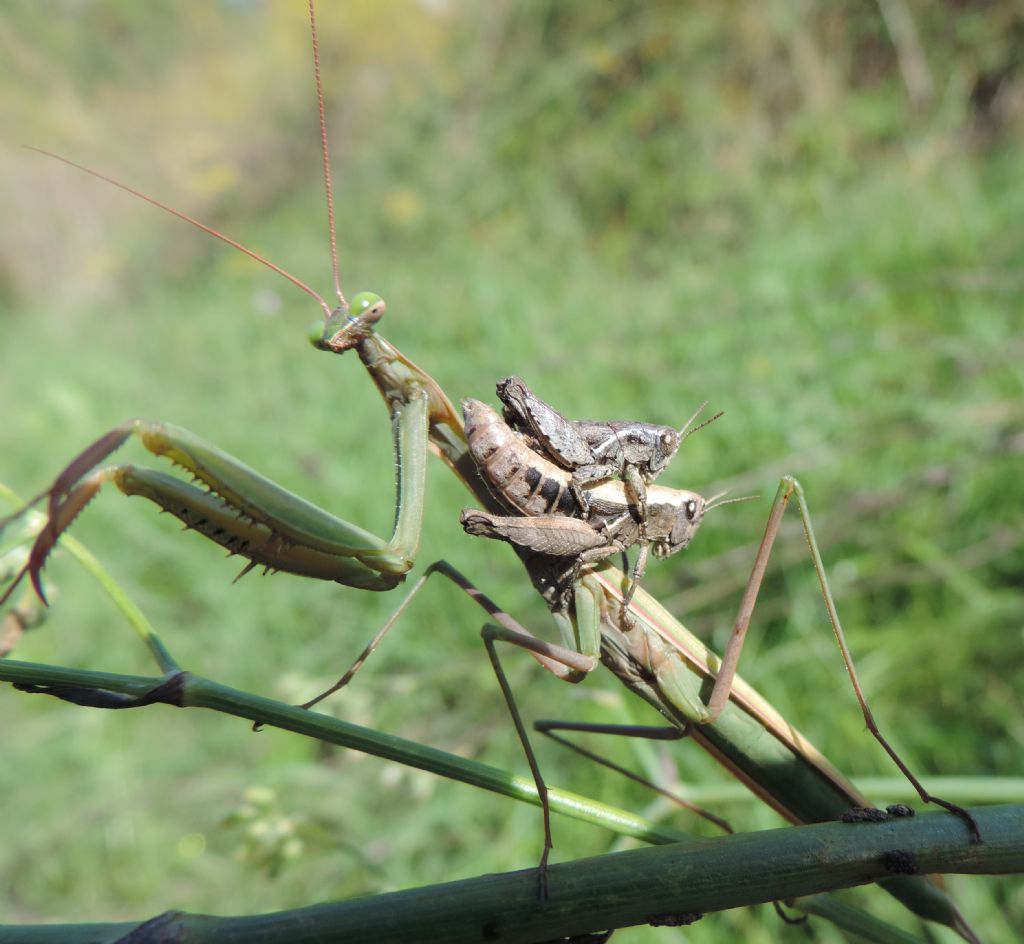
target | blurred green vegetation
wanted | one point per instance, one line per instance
(807, 214)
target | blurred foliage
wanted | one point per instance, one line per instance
(807, 213)
(574, 103)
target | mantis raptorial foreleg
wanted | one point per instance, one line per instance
(245, 512)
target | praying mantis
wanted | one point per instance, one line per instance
(275, 529)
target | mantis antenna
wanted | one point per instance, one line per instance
(329, 189)
(252, 254)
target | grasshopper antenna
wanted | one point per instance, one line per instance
(716, 501)
(686, 431)
(188, 219)
(326, 158)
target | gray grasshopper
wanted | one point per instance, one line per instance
(552, 522)
(594, 450)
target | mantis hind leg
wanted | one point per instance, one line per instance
(656, 733)
(790, 488)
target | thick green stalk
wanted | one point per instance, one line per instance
(662, 884)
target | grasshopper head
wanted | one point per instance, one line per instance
(666, 442)
(681, 520)
(347, 328)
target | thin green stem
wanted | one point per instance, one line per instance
(136, 618)
(193, 691)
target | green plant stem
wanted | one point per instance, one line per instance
(193, 691)
(967, 790)
(667, 884)
(183, 689)
(131, 612)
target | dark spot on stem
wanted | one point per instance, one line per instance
(900, 862)
(864, 814)
(680, 920)
(490, 931)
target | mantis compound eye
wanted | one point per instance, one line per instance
(316, 332)
(363, 303)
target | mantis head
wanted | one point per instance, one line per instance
(347, 328)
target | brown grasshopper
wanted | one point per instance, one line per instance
(594, 450)
(550, 520)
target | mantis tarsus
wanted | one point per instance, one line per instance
(276, 529)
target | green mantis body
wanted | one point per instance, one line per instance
(271, 527)
(658, 659)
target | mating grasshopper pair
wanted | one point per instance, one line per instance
(651, 653)
(564, 520)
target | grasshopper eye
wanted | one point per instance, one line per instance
(691, 510)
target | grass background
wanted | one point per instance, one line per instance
(808, 216)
